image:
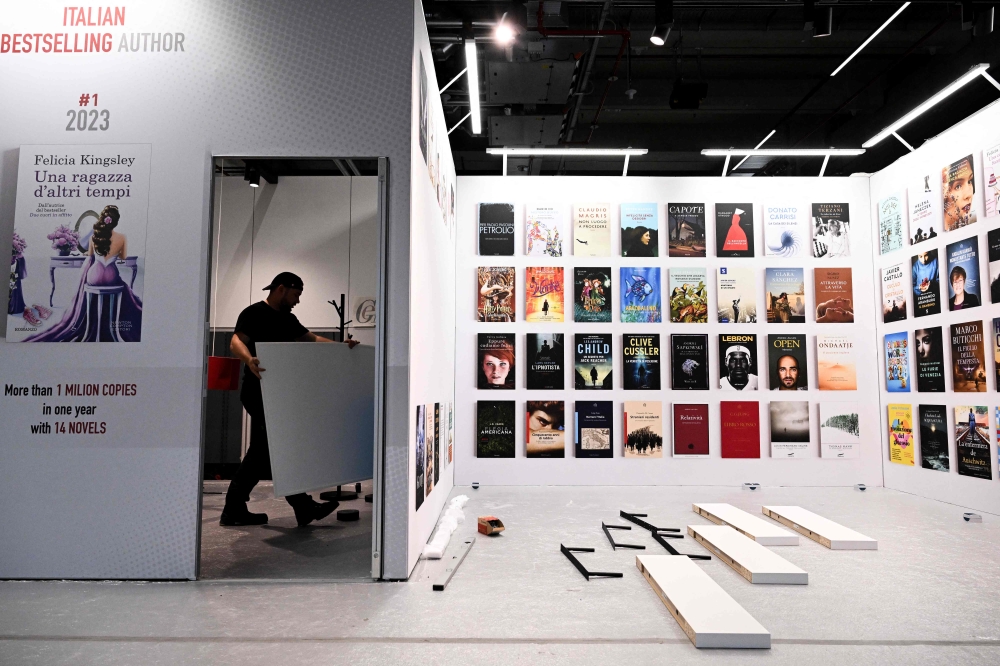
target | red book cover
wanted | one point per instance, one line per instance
(690, 430)
(740, 429)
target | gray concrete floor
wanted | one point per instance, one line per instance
(929, 595)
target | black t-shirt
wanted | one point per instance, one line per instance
(262, 323)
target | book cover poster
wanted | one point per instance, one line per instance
(592, 294)
(545, 361)
(690, 431)
(789, 429)
(996, 352)
(925, 208)
(929, 355)
(991, 169)
(934, 437)
(545, 429)
(419, 451)
(736, 295)
(926, 283)
(893, 293)
(993, 243)
(640, 230)
(689, 362)
(786, 230)
(430, 464)
(593, 429)
(543, 294)
(786, 361)
(901, 434)
(734, 230)
(839, 430)
(496, 229)
(834, 295)
(963, 274)
(593, 362)
(496, 301)
(592, 230)
(891, 223)
(78, 252)
(968, 357)
(835, 367)
(688, 296)
(642, 424)
(972, 436)
(785, 295)
(438, 460)
(958, 182)
(687, 229)
(740, 429)
(543, 231)
(451, 432)
(738, 361)
(496, 361)
(831, 230)
(897, 362)
(494, 429)
(641, 362)
(640, 294)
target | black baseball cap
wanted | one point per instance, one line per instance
(285, 279)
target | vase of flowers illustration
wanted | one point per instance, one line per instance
(64, 240)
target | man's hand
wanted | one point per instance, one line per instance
(351, 343)
(254, 366)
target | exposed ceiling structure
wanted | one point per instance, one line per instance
(729, 73)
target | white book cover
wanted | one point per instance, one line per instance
(839, 430)
(592, 230)
(891, 222)
(991, 167)
(786, 230)
(736, 295)
(924, 194)
(543, 231)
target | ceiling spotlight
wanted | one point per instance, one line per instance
(663, 22)
(504, 33)
(824, 26)
(253, 176)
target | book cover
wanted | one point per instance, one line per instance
(924, 196)
(643, 428)
(789, 429)
(835, 367)
(593, 429)
(593, 362)
(785, 295)
(991, 176)
(786, 230)
(831, 230)
(926, 283)
(996, 352)
(641, 361)
(963, 274)
(496, 355)
(543, 294)
(640, 224)
(545, 429)
(543, 231)
(497, 301)
(897, 362)
(834, 290)
(592, 295)
(890, 223)
(496, 229)
(495, 429)
(968, 357)
(901, 434)
(736, 295)
(740, 429)
(786, 362)
(640, 294)
(738, 362)
(687, 229)
(430, 461)
(893, 293)
(545, 361)
(689, 362)
(993, 254)
(451, 432)
(420, 453)
(688, 296)
(734, 230)
(592, 230)
(929, 354)
(438, 460)
(958, 182)
(972, 436)
(690, 431)
(934, 437)
(839, 430)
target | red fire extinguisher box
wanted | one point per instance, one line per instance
(223, 373)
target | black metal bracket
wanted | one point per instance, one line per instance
(614, 544)
(660, 534)
(568, 552)
(635, 518)
(661, 538)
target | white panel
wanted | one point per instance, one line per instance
(232, 244)
(821, 530)
(364, 253)
(763, 532)
(750, 559)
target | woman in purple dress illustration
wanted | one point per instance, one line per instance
(104, 308)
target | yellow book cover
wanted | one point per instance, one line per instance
(901, 434)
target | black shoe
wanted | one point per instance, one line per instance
(236, 517)
(312, 510)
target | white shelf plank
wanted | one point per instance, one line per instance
(763, 532)
(750, 559)
(821, 530)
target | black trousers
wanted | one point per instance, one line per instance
(256, 463)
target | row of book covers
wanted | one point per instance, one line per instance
(971, 431)
(968, 359)
(434, 445)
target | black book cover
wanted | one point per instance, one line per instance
(934, 437)
(993, 253)
(496, 229)
(689, 361)
(686, 224)
(929, 354)
(926, 283)
(495, 429)
(495, 361)
(592, 294)
(593, 361)
(593, 429)
(738, 362)
(734, 230)
(787, 362)
(545, 361)
(641, 361)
